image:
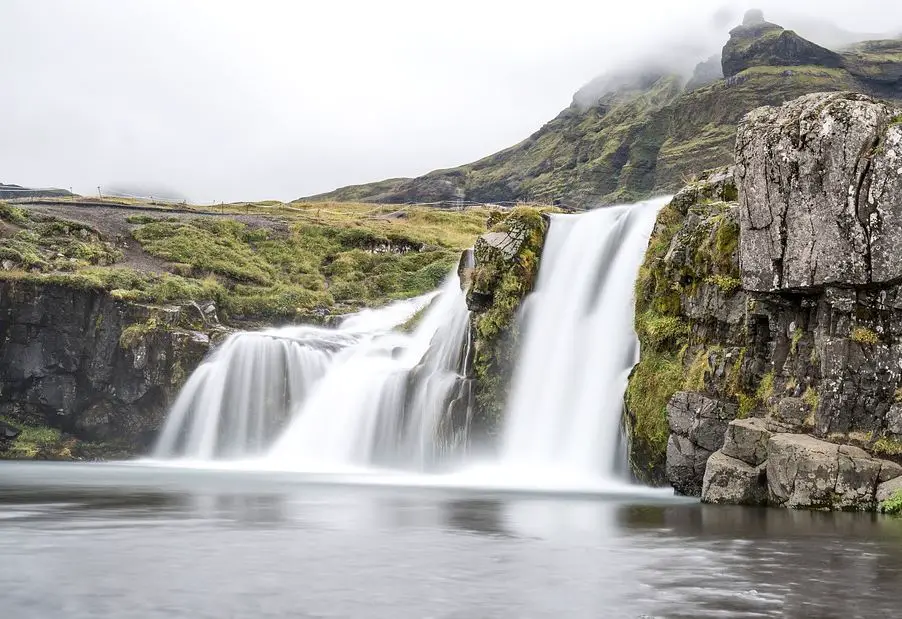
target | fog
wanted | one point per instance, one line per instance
(229, 100)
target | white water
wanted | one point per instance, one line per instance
(365, 398)
(579, 345)
(356, 395)
(383, 402)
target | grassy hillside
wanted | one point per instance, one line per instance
(259, 262)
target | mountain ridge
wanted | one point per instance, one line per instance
(651, 130)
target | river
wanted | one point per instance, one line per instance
(130, 541)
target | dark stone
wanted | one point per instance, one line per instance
(64, 366)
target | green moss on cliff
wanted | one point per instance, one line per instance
(500, 283)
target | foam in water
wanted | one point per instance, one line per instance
(579, 345)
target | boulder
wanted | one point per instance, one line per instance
(889, 470)
(887, 489)
(804, 472)
(730, 481)
(685, 466)
(746, 440)
(820, 193)
(697, 425)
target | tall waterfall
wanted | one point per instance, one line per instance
(309, 397)
(579, 346)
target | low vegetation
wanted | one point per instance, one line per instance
(297, 262)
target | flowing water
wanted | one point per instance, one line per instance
(567, 392)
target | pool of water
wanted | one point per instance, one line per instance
(130, 541)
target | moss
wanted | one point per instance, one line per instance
(888, 446)
(893, 505)
(766, 388)
(864, 336)
(811, 398)
(135, 334)
(728, 285)
(37, 441)
(698, 370)
(797, 336)
(657, 331)
(14, 215)
(654, 381)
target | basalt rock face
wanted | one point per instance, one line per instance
(93, 367)
(771, 293)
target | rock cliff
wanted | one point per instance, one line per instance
(768, 311)
(93, 367)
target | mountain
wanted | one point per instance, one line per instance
(629, 135)
(10, 192)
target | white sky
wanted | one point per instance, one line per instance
(256, 99)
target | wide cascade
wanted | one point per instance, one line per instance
(367, 393)
(310, 398)
(566, 399)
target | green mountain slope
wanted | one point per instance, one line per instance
(652, 132)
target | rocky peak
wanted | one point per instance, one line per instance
(758, 43)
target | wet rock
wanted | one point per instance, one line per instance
(820, 193)
(733, 482)
(82, 361)
(685, 467)
(746, 440)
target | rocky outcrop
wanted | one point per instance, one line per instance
(757, 43)
(697, 426)
(96, 368)
(819, 181)
(498, 275)
(787, 322)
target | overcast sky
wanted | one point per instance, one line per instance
(256, 99)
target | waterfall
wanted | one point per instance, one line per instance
(308, 397)
(578, 346)
(367, 394)
(384, 402)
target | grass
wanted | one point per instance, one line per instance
(893, 505)
(313, 260)
(35, 440)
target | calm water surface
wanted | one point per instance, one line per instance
(129, 541)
